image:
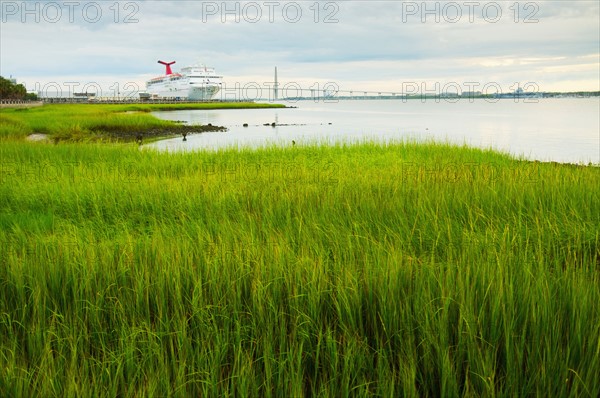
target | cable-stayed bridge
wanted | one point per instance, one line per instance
(292, 92)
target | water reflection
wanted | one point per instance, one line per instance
(563, 130)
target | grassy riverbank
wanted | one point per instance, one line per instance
(407, 269)
(102, 122)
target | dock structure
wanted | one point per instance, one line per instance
(10, 103)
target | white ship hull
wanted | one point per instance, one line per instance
(194, 83)
(190, 93)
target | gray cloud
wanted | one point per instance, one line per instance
(389, 38)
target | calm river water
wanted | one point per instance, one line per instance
(552, 129)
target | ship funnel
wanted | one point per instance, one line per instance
(168, 65)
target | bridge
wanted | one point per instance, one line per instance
(269, 92)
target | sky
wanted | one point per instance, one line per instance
(381, 46)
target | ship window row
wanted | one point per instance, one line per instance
(179, 78)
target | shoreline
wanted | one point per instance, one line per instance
(125, 123)
(100, 122)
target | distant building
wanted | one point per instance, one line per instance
(84, 95)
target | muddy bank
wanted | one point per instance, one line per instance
(37, 137)
(156, 133)
(141, 135)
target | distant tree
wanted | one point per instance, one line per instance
(9, 90)
(31, 97)
(5, 88)
(19, 91)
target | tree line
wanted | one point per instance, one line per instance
(10, 90)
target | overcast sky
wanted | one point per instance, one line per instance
(358, 45)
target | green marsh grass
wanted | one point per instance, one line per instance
(366, 270)
(84, 122)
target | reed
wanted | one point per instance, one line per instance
(396, 269)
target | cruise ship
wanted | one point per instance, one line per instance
(195, 83)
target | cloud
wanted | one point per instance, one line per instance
(352, 42)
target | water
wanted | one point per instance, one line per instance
(552, 129)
